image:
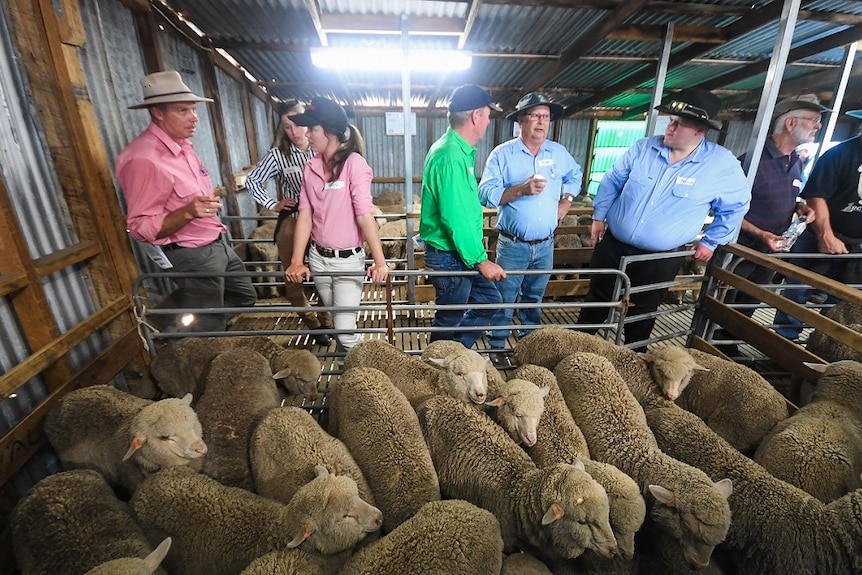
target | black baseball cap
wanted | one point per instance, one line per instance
(323, 112)
(470, 97)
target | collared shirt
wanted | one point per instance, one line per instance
(835, 178)
(286, 169)
(511, 164)
(335, 205)
(654, 205)
(159, 176)
(776, 185)
(451, 216)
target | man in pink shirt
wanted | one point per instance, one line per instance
(170, 202)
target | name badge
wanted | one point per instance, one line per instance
(545, 162)
(292, 170)
(681, 181)
(336, 185)
(796, 183)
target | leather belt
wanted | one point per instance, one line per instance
(331, 253)
(506, 234)
(175, 246)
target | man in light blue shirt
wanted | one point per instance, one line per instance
(531, 181)
(656, 199)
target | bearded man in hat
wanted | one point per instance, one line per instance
(170, 202)
(531, 181)
(775, 194)
(451, 220)
(656, 199)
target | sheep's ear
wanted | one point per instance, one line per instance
(496, 402)
(320, 470)
(137, 443)
(544, 391)
(439, 362)
(154, 559)
(818, 367)
(282, 373)
(579, 464)
(647, 357)
(305, 532)
(187, 399)
(663, 495)
(554, 513)
(725, 487)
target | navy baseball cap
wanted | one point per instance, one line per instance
(323, 112)
(470, 97)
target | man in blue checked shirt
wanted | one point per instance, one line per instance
(656, 199)
(531, 181)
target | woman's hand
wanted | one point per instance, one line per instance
(378, 273)
(297, 273)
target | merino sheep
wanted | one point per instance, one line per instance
(561, 441)
(296, 561)
(381, 431)
(830, 350)
(451, 536)
(263, 256)
(443, 348)
(219, 530)
(182, 366)
(463, 375)
(734, 400)
(557, 512)
(687, 504)
(72, 523)
(520, 405)
(672, 367)
(523, 564)
(285, 448)
(777, 528)
(239, 392)
(123, 437)
(819, 448)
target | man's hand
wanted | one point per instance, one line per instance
(772, 241)
(807, 211)
(204, 207)
(702, 253)
(597, 231)
(491, 271)
(534, 186)
(828, 244)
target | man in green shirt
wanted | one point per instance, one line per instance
(450, 223)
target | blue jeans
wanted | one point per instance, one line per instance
(807, 243)
(453, 290)
(516, 255)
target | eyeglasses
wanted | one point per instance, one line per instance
(676, 106)
(534, 116)
(816, 120)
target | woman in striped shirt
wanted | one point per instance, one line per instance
(285, 162)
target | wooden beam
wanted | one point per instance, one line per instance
(10, 283)
(150, 48)
(314, 13)
(706, 34)
(67, 257)
(248, 123)
(469, 21)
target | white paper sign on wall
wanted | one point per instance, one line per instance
(395, 123)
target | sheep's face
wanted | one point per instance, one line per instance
(167, 433)
(671, 368)
(697, 537)
(334, 516)
(464, 376)
(520, 408)
(576, 513)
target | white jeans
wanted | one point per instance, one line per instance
(337, 290)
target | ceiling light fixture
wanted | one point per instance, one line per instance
(382, 59)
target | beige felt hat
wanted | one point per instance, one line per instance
(803, 102)
(165, 87)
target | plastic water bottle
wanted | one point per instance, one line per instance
(792, 233)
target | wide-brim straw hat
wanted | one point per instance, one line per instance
(164, 88)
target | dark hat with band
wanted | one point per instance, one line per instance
(470, 97)
(532, 100)
(323, 112)
(694, 104)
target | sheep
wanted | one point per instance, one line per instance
(182, 367)
(219, 530)
(520, 405)
(777, 528)
(443, 537)
(72, 523)
(239, 392)
(671, 367)
(819, 448)
(561, 441)
(262, 249)
(688, 505)
(557, 512)
(286, 446)
(289, 561)
(123, 437)
(381, 431)
(734, 400)
(831, 350)
(463, 375)
(523, 564)
(442, 348)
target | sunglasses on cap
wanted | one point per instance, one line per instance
(676, 106)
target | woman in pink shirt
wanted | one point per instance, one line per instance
(335, 214)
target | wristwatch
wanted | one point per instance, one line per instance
(568, 197)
